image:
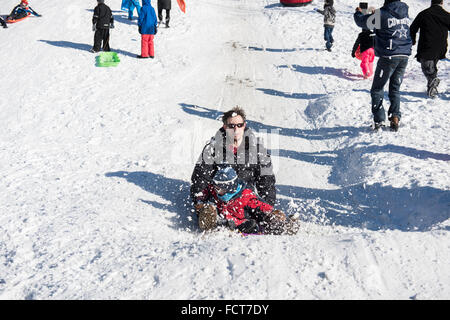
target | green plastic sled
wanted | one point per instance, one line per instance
(107, 59)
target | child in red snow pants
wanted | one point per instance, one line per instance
(147, 46)
(367, 58)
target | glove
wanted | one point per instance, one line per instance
(315, 9)
(353, 55)
(156, 30)
(111, 25)
(94, 27)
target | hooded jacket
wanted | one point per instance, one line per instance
(251, 161)
(434, 25)
(392, 35)
(103, 17)
(329, 13)
(147, 18)
(364, 41)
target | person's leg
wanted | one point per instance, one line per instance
(151, 47)
(97, 40)
(365, 61)
(429, 70)
(131, 10)
(167, 17)
(395, 82)
(144, 45)
(106, 40)
(382, 74)
(160, 16)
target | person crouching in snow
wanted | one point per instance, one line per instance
(102, 21)
(229, 202)
(21, 11)
(329, 18)
(364, 51)
(147, 28)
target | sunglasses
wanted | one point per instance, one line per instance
(234, 125)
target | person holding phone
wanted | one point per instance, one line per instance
(393, 47)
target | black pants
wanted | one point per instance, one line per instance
(429, 69)
(160, 15)
(101, 35)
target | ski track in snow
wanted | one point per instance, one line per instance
(96, 162)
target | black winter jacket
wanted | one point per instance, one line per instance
(434, 24)
(164, 4)
(103, 17)
(365, 41)
(252, 164)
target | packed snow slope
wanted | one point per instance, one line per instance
(96, 162)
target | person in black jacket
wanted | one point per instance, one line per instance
(164, 5)
(102, 21)
(434, 24)
(235, 145)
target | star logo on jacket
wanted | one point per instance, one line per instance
(402, 32)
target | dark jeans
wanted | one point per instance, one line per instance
(392, 70)
(160, 15)
(328, 36)
(101, 35)
(429, 69)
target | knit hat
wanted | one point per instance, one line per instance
(226, 179)
(436, 2)
(389, 1)
(329, 2)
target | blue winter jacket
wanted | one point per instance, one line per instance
(392, 36)
(147, 19)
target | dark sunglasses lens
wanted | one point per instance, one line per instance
(234, 125)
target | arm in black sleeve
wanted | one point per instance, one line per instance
(203, 172)
(265, 178)
(414, 28)
(355, 46)
(96, 15)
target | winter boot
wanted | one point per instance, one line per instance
(378, 125)
(394, 123)
(432, 88)
(291, 226)
(207, 216)
(274, 223)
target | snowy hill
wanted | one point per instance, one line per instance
(96, 162)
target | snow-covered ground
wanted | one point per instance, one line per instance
(96, 162)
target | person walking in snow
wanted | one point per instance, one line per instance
(329, 19)
(364, 51)
(130, 5)
(228, 201)
(393, 47)
(147, 28)
(21, 11)
(236, 145)
(102, 21)
(434, 25)
(164, 5)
